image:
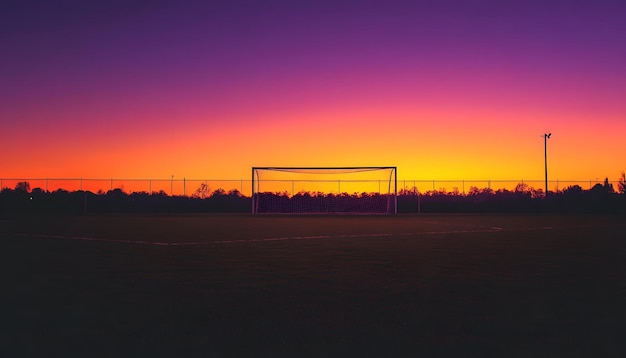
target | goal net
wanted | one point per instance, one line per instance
(324, 190)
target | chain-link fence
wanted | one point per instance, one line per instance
(206, 187)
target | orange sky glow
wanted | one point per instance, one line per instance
(461, 97)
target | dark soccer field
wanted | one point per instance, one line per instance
(239, 285)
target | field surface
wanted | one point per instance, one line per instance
(241, 285)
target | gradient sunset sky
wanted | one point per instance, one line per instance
(208, 89)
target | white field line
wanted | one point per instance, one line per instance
(84, 238)
(287, 238)
(348, 236)
(473, 229)
(236, 241)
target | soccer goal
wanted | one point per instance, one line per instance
(324, 190)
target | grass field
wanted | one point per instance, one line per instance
(241, 285)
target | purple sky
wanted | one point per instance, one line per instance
(121, 71)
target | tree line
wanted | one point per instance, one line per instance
(601, 198)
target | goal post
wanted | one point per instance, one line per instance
(324, 190)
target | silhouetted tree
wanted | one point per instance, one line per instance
(621, 184)
(597, 188)
(38, 191)
(608, 186)
(23, 186)
(219, 192)
(117, 192)
(522, 188)
(473, 190)
(573, 189)
(202, 192)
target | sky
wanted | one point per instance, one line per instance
(208, 89)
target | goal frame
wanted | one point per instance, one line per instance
(394, 178)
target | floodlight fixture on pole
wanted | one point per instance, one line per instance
(546, 136)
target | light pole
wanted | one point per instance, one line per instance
(545, 158)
